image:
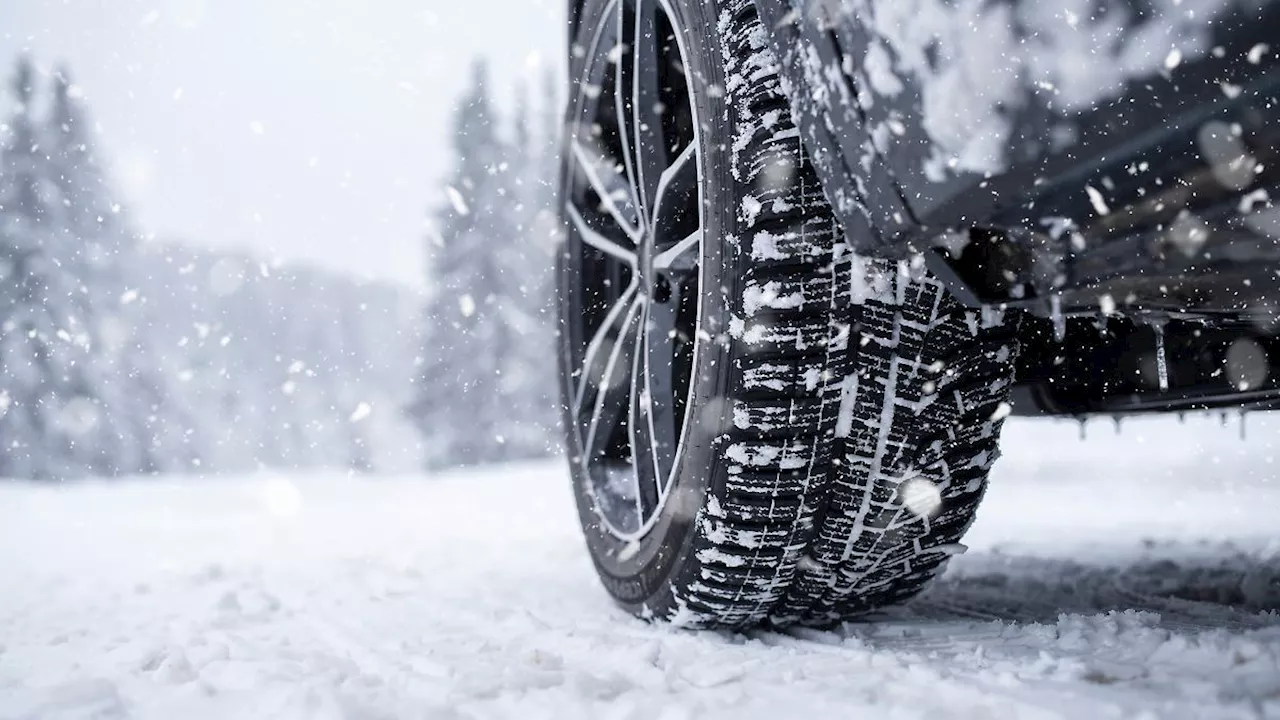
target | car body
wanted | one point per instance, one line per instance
(1120, 153)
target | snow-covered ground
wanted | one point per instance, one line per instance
(1127, 576)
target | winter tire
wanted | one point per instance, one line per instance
(761, 426)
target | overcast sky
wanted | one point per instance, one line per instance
(309, 129)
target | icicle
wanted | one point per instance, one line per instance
(1117, 420)
(1242, 425)
(1222, 418)
(1059, 320)
(1083, 432)
(1182, 417)
(1162, 362)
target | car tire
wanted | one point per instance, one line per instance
(835, 416)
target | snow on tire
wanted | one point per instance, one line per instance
(842, 412)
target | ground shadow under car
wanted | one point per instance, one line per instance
(1196, 585)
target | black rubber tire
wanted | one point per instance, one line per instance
(788, 504)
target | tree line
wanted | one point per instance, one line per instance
(120, 355)
(486, 383)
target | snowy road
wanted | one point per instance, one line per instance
(1128, 576)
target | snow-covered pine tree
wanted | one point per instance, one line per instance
(550, 130)
(463, 401)
(92, 212)
(548, 235)
(50, 414)
(100, 242)
(529, 371)
(219, 362)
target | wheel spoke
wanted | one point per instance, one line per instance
(613, 189)
(595, 239)
(638, 426)
(604, 387)
(604, 341)
(659, 354)
(626, 44)
(678, 183)
(646, 104)
(681, 257)
(676, 214)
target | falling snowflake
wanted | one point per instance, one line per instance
(455, 199)
(362, 411)
(921, 497)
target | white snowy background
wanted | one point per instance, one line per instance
(250, 212)
(342, 105)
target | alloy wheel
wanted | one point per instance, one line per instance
(630, 277)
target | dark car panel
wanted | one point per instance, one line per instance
(1033, 89)
(932, 115)
(1082, 159)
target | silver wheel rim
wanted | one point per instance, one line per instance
(634, 257)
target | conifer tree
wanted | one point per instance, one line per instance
(100, 242)
(50, 416)
(93, 214)
(531, 368)
(464, 399)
